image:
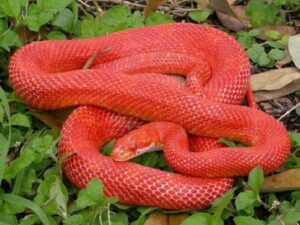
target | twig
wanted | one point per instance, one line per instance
(84, 3)
(288, 112)
(90, 61)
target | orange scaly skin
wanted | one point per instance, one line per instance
(126, 78)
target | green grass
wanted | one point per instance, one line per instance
(33, 189)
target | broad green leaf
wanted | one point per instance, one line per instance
(254, 32)
(56, 35)
(219, 206)
(292, 217)
(10, 39)
(198, 219)
(247, 220)
(53, 5)
(64, 20)
(276, 44)
(18, 164)
(272, 34)
(37, 17)
(276, 54)
(255, 51)
(199, 15)
(158, 18)
(263, 59)
(245, 199)
(256, 179)
(11, 8)
(8, 219)
(93, 195)
(19, 119)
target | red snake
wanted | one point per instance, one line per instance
(126, 81)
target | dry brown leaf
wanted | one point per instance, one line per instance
(294, 49)
(222, 6)
(284, 181)
(157, 218)
(53, 119)
(286, 60)
(177, 219)
(275, 83)
(274, 79)
(152, 6)
(282, 29)
(260, 96)
(233, 23)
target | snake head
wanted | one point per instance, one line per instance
(133, 144)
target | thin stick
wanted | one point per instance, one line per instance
(288, 112)
(90, 61)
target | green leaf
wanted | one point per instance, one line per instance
(254, 32)
(199, 15)
(273, 34)
(247, 220)
(64, 20)
(19, 119)
(11, 8)
(276, 44)
(8, 219)
(18, 164)
(1, 114)
(276, 54)
(4, 145)
(56, 35)
(13, 199)
(245, 199)
(263, 59)
(227, 142)
(255, 51)
(219, 206)
(158, 18)
(256, 179)
(198, 219)
(295, 138)
(10, 39)
(53, 5)
(76, 219)
(59, 194)
(93, 195)
(36, 17)
(292, 217)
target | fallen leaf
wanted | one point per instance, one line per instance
(274, 79)
(294, 49)
(260, 96)
(177, 219)
(152, 6)
(222, 6)
(275, 83)
(282, 29)
(286, 60)
(53, 119)
(285, 181)
(233, 23)
(157, 218)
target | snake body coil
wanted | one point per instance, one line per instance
(125, 85)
